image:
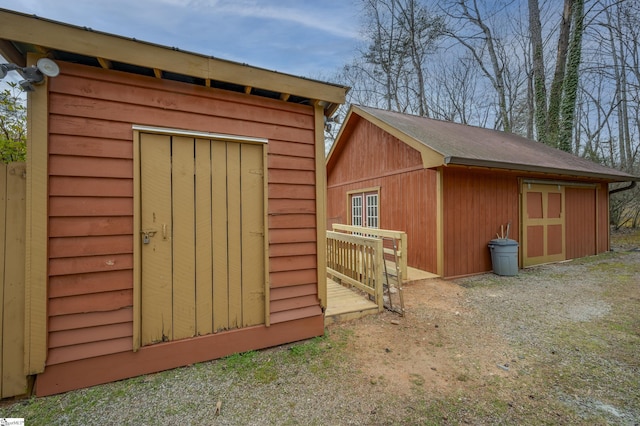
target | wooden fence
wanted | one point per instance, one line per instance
(12, 271)
(399, 237)
(357, 261)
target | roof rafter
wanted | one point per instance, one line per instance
(32, 30)
(11, 54)
(105, 63)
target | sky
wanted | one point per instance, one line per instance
(310, 38)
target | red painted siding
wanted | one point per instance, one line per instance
(91, 197)
(475, 204)
(89, 369)
(373, 158)
(580, 222)
(602, 194)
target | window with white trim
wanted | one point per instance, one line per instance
(365, 209)
(356, 210)
(372, 211)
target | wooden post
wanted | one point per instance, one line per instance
(14, 381)
(36, 260)
(379, 272)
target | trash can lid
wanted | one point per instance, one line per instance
(503, 242)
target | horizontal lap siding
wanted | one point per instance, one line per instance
(292, 232)
(475, 204)
(91, 197)
(373, 158)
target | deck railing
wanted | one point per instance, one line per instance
(399, 237)
(357, 261)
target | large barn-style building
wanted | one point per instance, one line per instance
(453, 187)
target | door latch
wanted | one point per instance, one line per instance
(146, 236)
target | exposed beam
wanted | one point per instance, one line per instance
(105, 63)
(33, 30)
(41, 50)
(247, 90)
(284, 96)
(157, 72)
(11, 54)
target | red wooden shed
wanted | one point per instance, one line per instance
(452, 187)
(175, 205)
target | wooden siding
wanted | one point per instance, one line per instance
(91, 197)
(36, 262)
(581, 231)
(449, 214)
(93, 370)
(13, 380)
(371, 153)
(373, 158)
(602, 217)
(476, 203)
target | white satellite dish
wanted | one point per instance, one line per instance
(47, 67)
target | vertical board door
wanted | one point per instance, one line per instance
(543, 221)
(202, 231)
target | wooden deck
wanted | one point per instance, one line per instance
(414, 274)
(359, 263)
(344, 304)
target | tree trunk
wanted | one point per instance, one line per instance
(555, 95)
(539, 80)
(497, 77)
(568, 106)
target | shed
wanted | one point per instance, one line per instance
(453, 187)
(175, 205)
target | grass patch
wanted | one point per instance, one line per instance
(241, 363)
(309, 350)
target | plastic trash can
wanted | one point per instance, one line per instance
(504, 256)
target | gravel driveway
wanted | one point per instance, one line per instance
(556, 344)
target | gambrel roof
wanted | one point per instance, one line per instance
(443, 143)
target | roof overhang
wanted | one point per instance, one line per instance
(430, 158)
(21, 34)
(458, 161)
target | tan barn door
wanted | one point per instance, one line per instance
(202, 232)
(543, 219)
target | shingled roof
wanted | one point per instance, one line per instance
(445, 143)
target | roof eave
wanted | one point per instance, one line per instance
(47, 35)
(472, 162)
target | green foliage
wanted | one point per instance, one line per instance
(309, 349)
(13, 125)
(242, 362)
(572, 79)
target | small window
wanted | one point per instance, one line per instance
(356, 210)
(372, 210)
(365, 209)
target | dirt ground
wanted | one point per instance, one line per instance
(430, 346)
(469, 337)
(556, 344)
